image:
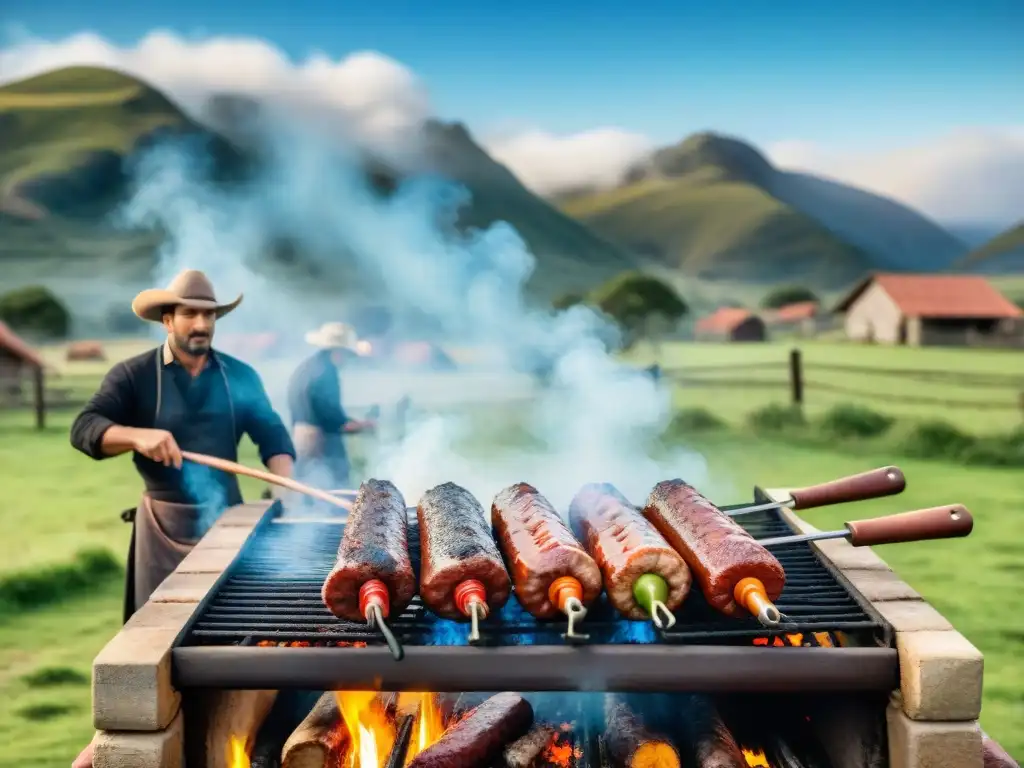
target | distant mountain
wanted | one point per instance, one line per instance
(66, 138)
(1003, 253)
(715, 207)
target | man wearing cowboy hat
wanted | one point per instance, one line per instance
(181, 396)
(318, 418)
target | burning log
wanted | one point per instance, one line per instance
(631, 745)
(284, 718)
(477, 739)
(712, 741)
(320, 739)
(233, 721)
(522, 752)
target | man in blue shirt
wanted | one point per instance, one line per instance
(318, 417)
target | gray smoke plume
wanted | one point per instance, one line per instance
(595, 419)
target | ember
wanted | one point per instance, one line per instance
(756, 758)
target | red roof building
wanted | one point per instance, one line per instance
(731, 324)
(929, 310)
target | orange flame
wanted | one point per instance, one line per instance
(429, 726)
(371, 732)
(237, 755)
(756, 758)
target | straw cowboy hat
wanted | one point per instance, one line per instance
(190, 288)
(334, 336)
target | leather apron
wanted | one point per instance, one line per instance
(165, 530)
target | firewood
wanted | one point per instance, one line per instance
(713, 743)
(631, 745)
(523, 751)
(234, 714)
(321, 738)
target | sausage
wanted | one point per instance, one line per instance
(625, 547)
(479, 738)
(717, 549)
(539, 548)
(375, 545)
(456, 545)
(712, 741)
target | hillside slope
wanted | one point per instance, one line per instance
(67, 137)
(715, 207)
(1003, 253)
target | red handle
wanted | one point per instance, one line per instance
(949, 522)
(468, 592)
(884, 481)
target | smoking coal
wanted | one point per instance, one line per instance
(594, 419)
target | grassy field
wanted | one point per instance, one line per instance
(977, 390)
(62, 504)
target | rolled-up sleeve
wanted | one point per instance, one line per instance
(107, 408)
(263, 424)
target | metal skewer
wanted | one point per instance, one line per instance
(375, 616)
(874, 484)
(576, 612)
(474, 621)
(948, 522)
(658, 607)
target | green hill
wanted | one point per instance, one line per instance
(714, 207)
(67, 135)
(1003, 253)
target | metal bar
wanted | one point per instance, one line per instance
(619, 668)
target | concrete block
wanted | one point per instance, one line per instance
(207, 560)
(929, 744)
(912, 616)
(940, 675)
(184, 588)
(225, 537)
(155, 749)
(244, 515)
(878, 585)
(131, 677)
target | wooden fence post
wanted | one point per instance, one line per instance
(796, 377)
(39, 381)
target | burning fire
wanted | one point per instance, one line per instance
(756, 758)
(429, 725)
(237, 755)
(822, 639)
(371, 732)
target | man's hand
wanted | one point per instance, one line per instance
(353, 427)
(158, 445)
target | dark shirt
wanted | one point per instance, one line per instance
(128, 397)
(314, 394)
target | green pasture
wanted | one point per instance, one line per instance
(977, 390)
(61, 504)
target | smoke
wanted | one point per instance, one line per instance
(595, 420)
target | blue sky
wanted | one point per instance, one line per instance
(858, 74)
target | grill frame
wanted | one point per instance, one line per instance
(665, 665)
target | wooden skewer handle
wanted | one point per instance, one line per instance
(268, 477)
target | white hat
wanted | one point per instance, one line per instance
(333, 336)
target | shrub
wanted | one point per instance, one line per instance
(787, 294)
(996, 451)
(776, 418)
(25, 590)
(48, 677)
(45, 711)
(35, 310)
(567, 300)
(637, 302)
(936, 440)
(855, 421)
(690, 420)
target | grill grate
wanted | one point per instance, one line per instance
(271, 595)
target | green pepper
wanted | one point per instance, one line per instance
(650, 588)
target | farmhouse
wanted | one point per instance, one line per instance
(803, 317)
(17, 361)
(926, 310)
(731, 324)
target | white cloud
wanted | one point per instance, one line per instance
(971, 175)
(968, 175)
(377, 94)
(550, 163)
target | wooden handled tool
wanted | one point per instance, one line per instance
(268, 477)
(949, 522)
(874, 484)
